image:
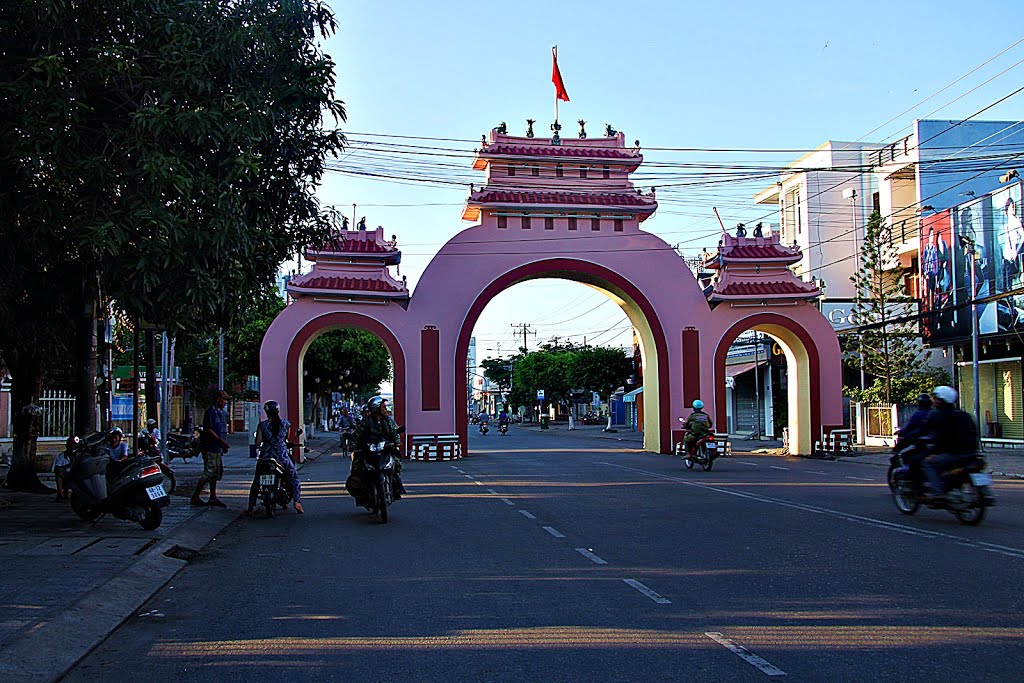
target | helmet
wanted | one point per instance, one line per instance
(698, 404)
(151, 422)
(271, 407)
(116, 431)
(375, 403)
(924, 402)
(945, 394)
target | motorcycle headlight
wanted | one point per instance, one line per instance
(377, 447)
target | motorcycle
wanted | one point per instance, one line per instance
(270, 485)
(373, 485)
(131, 489)
(151, 449)
(503, 428)
(346, 441)
(967, 488)
(184, 446)
(484, 428)
(705, 452)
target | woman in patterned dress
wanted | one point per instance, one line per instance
(272, 442)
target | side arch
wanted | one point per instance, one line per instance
(580, 271)
(805, 394)
(328, 321)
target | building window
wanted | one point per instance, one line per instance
(583, 171)
(535, 171)
(549, 223)
(606, 173)
(502, 221)
(572, 223)
(511, 170)
(618, 225)
(526, 222)
(793, 221)
(558, 171)
(595, 223)
(876, 202)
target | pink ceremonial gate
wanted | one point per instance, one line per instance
(566, 209)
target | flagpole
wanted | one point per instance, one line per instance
(554, 54)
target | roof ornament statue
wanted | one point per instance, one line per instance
(344, 222)
(583, 130)
(741, 230)
(759, 230)
(636, 146)
(483, 140)
(555, 139)
(361, 225)
(502, 128)
(609, 132)
(529, 127)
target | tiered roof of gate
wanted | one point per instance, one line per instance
(756, 269)
(352, 265)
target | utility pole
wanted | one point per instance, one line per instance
(525, 327)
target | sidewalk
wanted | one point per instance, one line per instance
(68, 584)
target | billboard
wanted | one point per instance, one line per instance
(993, 224)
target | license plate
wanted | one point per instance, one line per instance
(711, 446)
(266, 480)
(155, 492)
(981, 479)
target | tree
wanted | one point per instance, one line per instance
(348, 360)
(888, 350)
(600, 369)
(499, 371)
(163, 156)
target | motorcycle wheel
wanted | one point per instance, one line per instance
(170, 482)
(154, 516)
(889, 478)
(707, 463)
(382, 502)
(688, 461)
(974, 510)
(268, 502)
(903, 496)
(81, 507)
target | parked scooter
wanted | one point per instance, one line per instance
(184, 446)
(131, 489)
(150, 448)
(967, 488)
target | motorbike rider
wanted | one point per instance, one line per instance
(952, 435)
(377, 426)
(503, 418)
(697, 426)
(482, 420)
(911, 444)
(272, 442)
(345, 424)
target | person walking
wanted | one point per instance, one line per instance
(214, 446)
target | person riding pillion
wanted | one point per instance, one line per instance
(697, 426)
(952, 436)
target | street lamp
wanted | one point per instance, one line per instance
(851, 194)
(967, 243)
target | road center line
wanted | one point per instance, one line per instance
(869, 521)
(776, 467)
(746, 655)
(492, 491)
(526, 514)
(554, 532)
(744, 462)
(815, 472)
(590, 556)
(506, 501)
(860, 478)
(469, 476)
(647, 591)
(454, 467)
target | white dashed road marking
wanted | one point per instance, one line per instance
(815, 472)
(744, 462)
(554, 532)
(590, 556)
(526, 514)
(469, 476)
(492, 491)
(860, 478)
(776, 467)
(506, 501)
(647, 591)
(746, 655)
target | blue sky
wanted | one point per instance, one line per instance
(728, 75)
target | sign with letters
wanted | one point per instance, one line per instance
(841, 313)
(540, 394)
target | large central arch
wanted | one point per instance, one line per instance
(561, 208)
(637, 306)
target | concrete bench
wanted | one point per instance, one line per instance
(838, 441)
(435, 447)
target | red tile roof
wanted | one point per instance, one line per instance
(559, 151)
(755, 289)
(591, 198)
(346, 284)
(339, 243)
(760, 252)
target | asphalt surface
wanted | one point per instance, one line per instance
(552, 557)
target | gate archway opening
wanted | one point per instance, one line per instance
(312, 330)
(637, 308)
(803, 385)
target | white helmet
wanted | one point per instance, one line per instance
(945, 394)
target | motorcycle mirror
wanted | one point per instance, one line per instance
(681, 419)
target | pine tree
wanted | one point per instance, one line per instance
(888, 351)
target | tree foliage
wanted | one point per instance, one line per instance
(891, 350)
(562, 371)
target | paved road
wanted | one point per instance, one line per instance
(555, 558)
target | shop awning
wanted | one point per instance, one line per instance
(631, 396)
(740, 368)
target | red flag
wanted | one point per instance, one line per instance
(556, 77)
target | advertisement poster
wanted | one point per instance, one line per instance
(936, 276)
(969, 227)
(1008, 253)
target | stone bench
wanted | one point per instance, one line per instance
(435, 447)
